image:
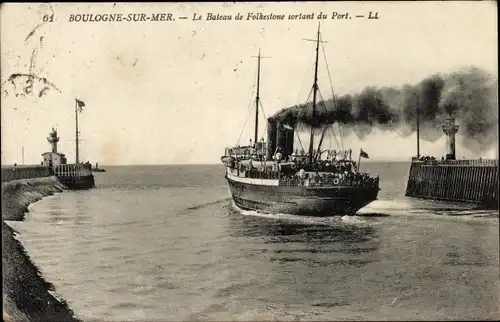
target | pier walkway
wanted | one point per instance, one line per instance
(18, 172)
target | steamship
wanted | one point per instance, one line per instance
(272, 177)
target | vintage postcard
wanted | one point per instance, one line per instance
(250, 161)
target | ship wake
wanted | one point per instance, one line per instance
(207, 204)
(419, 207)
(325, 221)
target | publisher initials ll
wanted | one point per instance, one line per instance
(373, 15)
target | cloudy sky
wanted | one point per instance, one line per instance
(179, 92)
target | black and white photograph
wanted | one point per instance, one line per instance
(253, 161)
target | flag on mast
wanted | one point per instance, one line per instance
(80, 105)
(363, 154)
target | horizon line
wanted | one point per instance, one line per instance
(102, 165)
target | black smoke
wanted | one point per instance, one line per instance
(468, 94)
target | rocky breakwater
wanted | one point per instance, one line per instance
(26, 294)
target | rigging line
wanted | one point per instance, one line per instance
(339, 144)
(301, 89)
(332, 130)
(265, 117)
(263, 112)
(300, 142)
(303, 83)
(329, 74)
(262, 109)
(330, 127)
(330, 142)
(300, 115)
(341, 130)
(334, 98)
(246, 121)
(305, 105)
(302, 112)
(322, 100)
(327, 126)
(333, 133)
(263, 160)
(341, 135)
(252, 91)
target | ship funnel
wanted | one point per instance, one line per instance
(450, 129)
(281, 138)
(285, 138)
(290, 135)
(272, 128)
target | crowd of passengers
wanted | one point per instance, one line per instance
(425, 158)
(328, 179)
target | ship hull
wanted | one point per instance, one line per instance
(77, 182)
(302, 201)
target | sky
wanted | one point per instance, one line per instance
(179, 92)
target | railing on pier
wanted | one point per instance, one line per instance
(19, 172)
(479, 162)
(73, 170)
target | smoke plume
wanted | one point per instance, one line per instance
(469, 94)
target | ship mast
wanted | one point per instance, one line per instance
(77, 152)
(257, 99)
(315, 89)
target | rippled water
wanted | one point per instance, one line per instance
(165, 243)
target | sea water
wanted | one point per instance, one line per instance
(167, 243)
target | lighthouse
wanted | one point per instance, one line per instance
(53, 158)
(53, 139)
(450, 129)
